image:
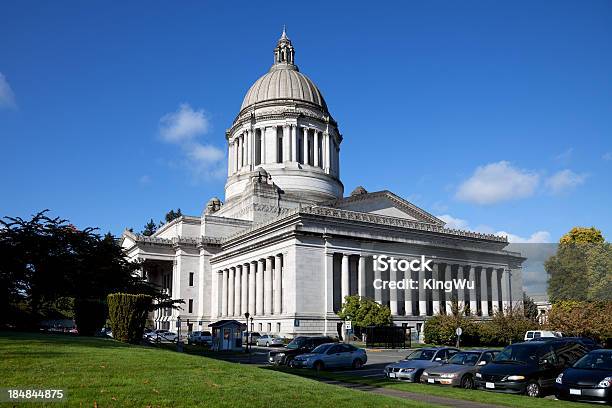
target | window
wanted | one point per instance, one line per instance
(190, 305)
(269, 327)
(278, 327)
(260, 326)
(190, 278)
(252, 326)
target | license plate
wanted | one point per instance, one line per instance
(574, 391)
(391, 375)
(489, 385)
(431, 380)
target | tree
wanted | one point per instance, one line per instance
(510, 325)
(364, 312)
(591, 319)
(172, 215)
(530, 309)
(582, 235)
(127, 314)
(149, 228)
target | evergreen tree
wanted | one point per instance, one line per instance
(149, 228)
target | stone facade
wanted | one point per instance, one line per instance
(286, 246)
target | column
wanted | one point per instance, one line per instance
(448, 276)
(472, 292)
(305, 146)
(249, 148)
(329, 281)
(408, 293)
(293, 143)
(278, 271)
(230, 291)
(229, 159)
(244, 287)
(361, 276)
(484, 295)
(422, 298)
(263, 145)
(378, 292)
(268, 287)
(251, 308)
(435, 293)
(235, 155)
(325, 151)
(238, 291)
(460, 292)
(259, 288)
(393, 291)
(224, 277)
(345, 277)
(495, 290)
(505, 288)
(286, 144)
(315, 149)
(240, 148)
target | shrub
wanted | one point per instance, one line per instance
(127, 314)
(440, 329)
(89, 315)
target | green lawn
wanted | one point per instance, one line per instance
(109, 373)
(518, 401)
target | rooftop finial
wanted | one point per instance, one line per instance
(284, 35)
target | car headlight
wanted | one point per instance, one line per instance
(559, 379)
(515, 378)
(448, 375)
(407, 370)
(605, 383)
(478, 375)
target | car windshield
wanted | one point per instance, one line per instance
(421, 355)
(596, 360)
(468, 359)
(321, 349)
(296, 343)
(522, 353)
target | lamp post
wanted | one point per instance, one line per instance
(179, 343)
(246, 316)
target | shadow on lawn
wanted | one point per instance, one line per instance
(60, 339)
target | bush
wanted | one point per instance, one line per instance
(440, 329)
(89, 315)
(127, 314)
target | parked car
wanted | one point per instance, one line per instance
(460, 369)
(331, 355)
(162, 335)
(199, 337)
(411, 368)
(537, 334)
(297, 346)
(529, 368)
(269, 340)
(253, 336)
(589, 379)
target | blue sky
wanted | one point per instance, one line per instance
(496, 115)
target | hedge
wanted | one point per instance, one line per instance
(127, 314)
(89, 315)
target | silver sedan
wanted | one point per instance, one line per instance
(269, 340)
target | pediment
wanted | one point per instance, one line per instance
(387, 204)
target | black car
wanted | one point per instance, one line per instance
(589, 379)
(531, 367)
(299, 345)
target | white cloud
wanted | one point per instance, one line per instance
(564, 180)
(183, 125)
(607, 156)
(537, 237)
(454, 223)
(7, 97)
(205, 153)
(497, 182)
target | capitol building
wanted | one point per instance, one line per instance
(287, 245)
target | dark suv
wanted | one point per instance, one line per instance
(530, 368)
(299, 345)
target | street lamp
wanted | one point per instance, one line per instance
(246, 316)
(179, 343)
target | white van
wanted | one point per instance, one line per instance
(537, 334)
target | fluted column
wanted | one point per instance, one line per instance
(435, 293)
(278, 274)
(293, 143)
(238, 291)
(484, 295)
(422, 298)
(315, 149)
(251, 284)
(249, 148)
(460, 292)
(472, 292)
(325, 151)
(393, 292)
(259, 288)
(305, 145)
(268, 287)
(378, 292)
(229, 159)
(494, 291)
(345, 277)
(230, 291)
(244, 287)
(224, 278)
(361, 276)
(263, 145)
(448, 276)
(235, 155)
(505, 287)
(408, 294)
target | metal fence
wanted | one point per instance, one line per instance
(387, 336)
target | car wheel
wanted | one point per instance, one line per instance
(467, 382)
(318, 365)
(357, 364)
(533, 389)
(417, 376)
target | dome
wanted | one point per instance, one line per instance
(284, 81)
